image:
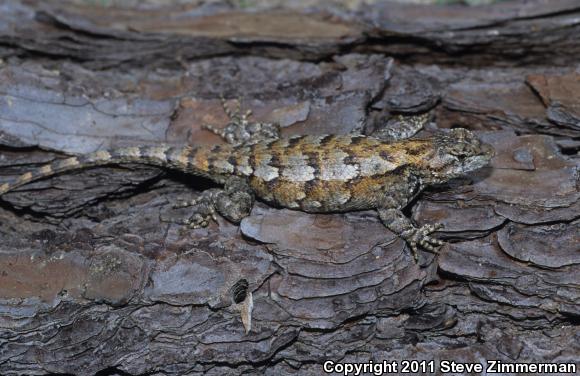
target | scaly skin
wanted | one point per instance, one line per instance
(316, 174)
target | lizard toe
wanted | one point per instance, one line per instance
(198, 220)
(420, 238)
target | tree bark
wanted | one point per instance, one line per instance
(97, 276)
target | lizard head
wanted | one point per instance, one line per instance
(457, 153)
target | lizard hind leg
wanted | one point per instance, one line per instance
(233, 202)
(241, 130)
(236, 199)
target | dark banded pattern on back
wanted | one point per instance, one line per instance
(190, 160)
(320, 173)
(313, 173)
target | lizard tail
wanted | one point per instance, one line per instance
(187, 159)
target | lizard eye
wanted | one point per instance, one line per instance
(462, 149)
(462, 143)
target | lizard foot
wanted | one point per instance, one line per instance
(241, 130)
(198, 220)
(420, 237)
(203, 209)
(233, 202)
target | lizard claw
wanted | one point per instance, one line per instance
(419, 237)
(198, 220)
(203, 215)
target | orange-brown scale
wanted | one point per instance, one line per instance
(288, 193)
(261, 189)
(330, 195)
(212, 161)
(199, 159)
(325, 195)
(284, 190)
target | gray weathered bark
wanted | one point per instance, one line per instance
(94, 276)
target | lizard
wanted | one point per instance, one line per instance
(311, 173)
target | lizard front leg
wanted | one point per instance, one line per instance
(396, 221)
(233, 202)
(402, 127)
(240, 130)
